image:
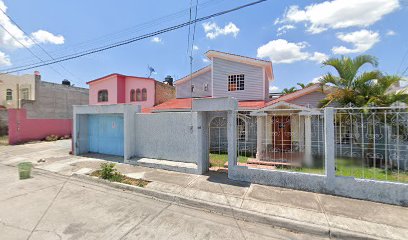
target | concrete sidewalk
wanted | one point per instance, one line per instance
(318, 211)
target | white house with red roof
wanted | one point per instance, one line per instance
(264, 125)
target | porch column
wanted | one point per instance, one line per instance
(260, 136)
(308, 141)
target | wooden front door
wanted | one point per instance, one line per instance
(281, 133)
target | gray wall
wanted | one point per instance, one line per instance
(254, 80)
(168, 136)
(3, 122)
(311, 99)
(55, 101)
(183, 90)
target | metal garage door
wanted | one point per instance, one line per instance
(105, 134)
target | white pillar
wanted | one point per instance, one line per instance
(308, 141)
(329, 154)
(260, 136)
(232, 138)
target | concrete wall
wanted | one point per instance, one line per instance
(140, 83)
(54, 101)
(23, 129)
(3, 122)
(168, 136)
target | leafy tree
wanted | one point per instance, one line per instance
(360, 88)
(302, 85)
(288, 90)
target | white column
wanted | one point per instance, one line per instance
(232, 138)
(329, 154)
(308, 141)
(260, 136)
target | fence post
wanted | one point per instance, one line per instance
(232, 138)
(329, 154)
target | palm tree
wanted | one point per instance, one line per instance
(360, 89)
(288, 90)
(302, 85)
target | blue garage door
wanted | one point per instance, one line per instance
(105, 134)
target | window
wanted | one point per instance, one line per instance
(192, 88)
(236, 82)
(138, 95)
(144, 94)
(103, 96)
(9, 94)
(25, 93)
(205, 86)
(132, 95)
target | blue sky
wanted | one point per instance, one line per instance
(295, 35)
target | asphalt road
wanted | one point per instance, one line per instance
(51, 206)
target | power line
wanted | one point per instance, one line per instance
(35, 42)
(131, 40)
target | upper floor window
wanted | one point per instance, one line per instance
(25, 93)
(192, 88)
(138, 95)
(103, 96)
(144, 94)
(236, 82)
(9, 94)
(132, 95)
(205, 86)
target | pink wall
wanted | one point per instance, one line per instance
(121, 86)
(22, 129)
(111, 84)
(135, 83)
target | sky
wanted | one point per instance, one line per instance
(295, 35)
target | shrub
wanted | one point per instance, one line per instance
(108, 171)
(51, 138)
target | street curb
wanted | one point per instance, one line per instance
(237, 213)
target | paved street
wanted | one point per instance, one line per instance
(51, 206)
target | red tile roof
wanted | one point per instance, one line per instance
(185, 104)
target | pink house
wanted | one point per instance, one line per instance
(117, 89)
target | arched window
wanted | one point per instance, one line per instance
(103, 96)
(138, 95)
(132, 95)
(9, 94)
(144, 94)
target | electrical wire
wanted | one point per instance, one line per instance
(131, 40)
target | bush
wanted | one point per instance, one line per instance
(51, 138)
(108, 171)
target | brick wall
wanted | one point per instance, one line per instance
(164, 92)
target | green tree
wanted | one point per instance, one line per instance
(360, 88)
(302, 85)
(288, 90)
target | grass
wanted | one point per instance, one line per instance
(344, 167)
(218, 160)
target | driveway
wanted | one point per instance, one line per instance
(52, 206)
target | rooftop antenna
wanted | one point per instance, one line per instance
(151, 71)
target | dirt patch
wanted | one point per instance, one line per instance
(123, 179)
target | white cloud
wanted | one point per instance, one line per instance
(318, 57)
(195, 47)
(212, 30)
(156, 40)
(361, 41)
(205, 60)
(316, 79)
(274, 89)
(338, 14)
(282, 51)
(390, 33)
(42, 36)
(283, 29)
(8, 42)
(4, 59)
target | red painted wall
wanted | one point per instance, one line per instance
(22, 129)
